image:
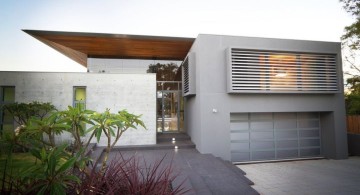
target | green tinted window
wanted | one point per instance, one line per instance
(8, 94)
(80, 97)
(80, 94)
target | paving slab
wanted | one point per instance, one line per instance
(203, 173)
(306, 177)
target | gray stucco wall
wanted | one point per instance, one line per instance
(133, 92)
(214, 128)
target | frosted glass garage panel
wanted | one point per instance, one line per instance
(263, 155)
(261, 135)
(307, 115)
(239, 126)
(285, 124)
(268, 136)
(283, 154)
(261, 116)
(308, 124)
(309, 133)
(309, 152)
(284, 116)
(309, 142)
(263, 125)
(286, 134)
(262, 145)
(239, 136)
(284, 144)
(240, 156)
(239, 146)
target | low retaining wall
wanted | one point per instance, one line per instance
(354, 144)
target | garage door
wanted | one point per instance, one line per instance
(272, 136)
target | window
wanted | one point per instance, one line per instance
(269, 71)
(80, 97)
(7, 94)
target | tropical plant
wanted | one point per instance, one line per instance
(49, 125)
(22, 112)
(77, 118)
(52, 174)
(113, 125)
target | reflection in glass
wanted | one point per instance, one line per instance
(170, 108)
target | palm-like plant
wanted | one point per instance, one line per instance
(77, 118)
(113, 125)
(52, 174)
(50, 125)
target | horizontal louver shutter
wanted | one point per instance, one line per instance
(251, 71)
(186, 75)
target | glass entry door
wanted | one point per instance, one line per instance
(168, 112)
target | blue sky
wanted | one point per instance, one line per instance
(322, 20)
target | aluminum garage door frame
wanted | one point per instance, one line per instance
(274, 136)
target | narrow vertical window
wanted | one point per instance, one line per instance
(7, 94)
(80, 97)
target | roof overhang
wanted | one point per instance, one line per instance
(80, 46)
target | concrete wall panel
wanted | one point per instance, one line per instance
(133, 92)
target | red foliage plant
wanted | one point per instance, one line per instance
(129, 176)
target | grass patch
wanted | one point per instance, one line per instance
(19, 162)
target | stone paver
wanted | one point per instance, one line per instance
(306, 177)
(203, 173)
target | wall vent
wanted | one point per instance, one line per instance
(188, 75)
(281, 72)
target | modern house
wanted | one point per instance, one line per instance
(238, 98)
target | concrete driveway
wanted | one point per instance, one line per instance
(306, 177)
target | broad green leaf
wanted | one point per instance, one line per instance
(52, 164)
(72, 178)
(112, 132)
(67, 165)
(43, 154)
(98, 134)
(91, 129)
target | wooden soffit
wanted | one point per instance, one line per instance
(80, 46)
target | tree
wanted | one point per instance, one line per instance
(164, 72)
(22, 112)
(77, 118)
(113, 125)
(352, 32)
(351, 42)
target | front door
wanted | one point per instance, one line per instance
(169, 111)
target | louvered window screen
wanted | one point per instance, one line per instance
(186, 87)
(188, 75)
(270, 71)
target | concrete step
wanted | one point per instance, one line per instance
(96, 155)
(168, 137)
(158, 146)
(90, 149)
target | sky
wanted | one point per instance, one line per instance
(321, 20)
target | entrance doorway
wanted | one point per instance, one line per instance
(170, 108)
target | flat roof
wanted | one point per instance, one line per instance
(79, 46)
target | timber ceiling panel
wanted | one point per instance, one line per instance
(80, 46)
